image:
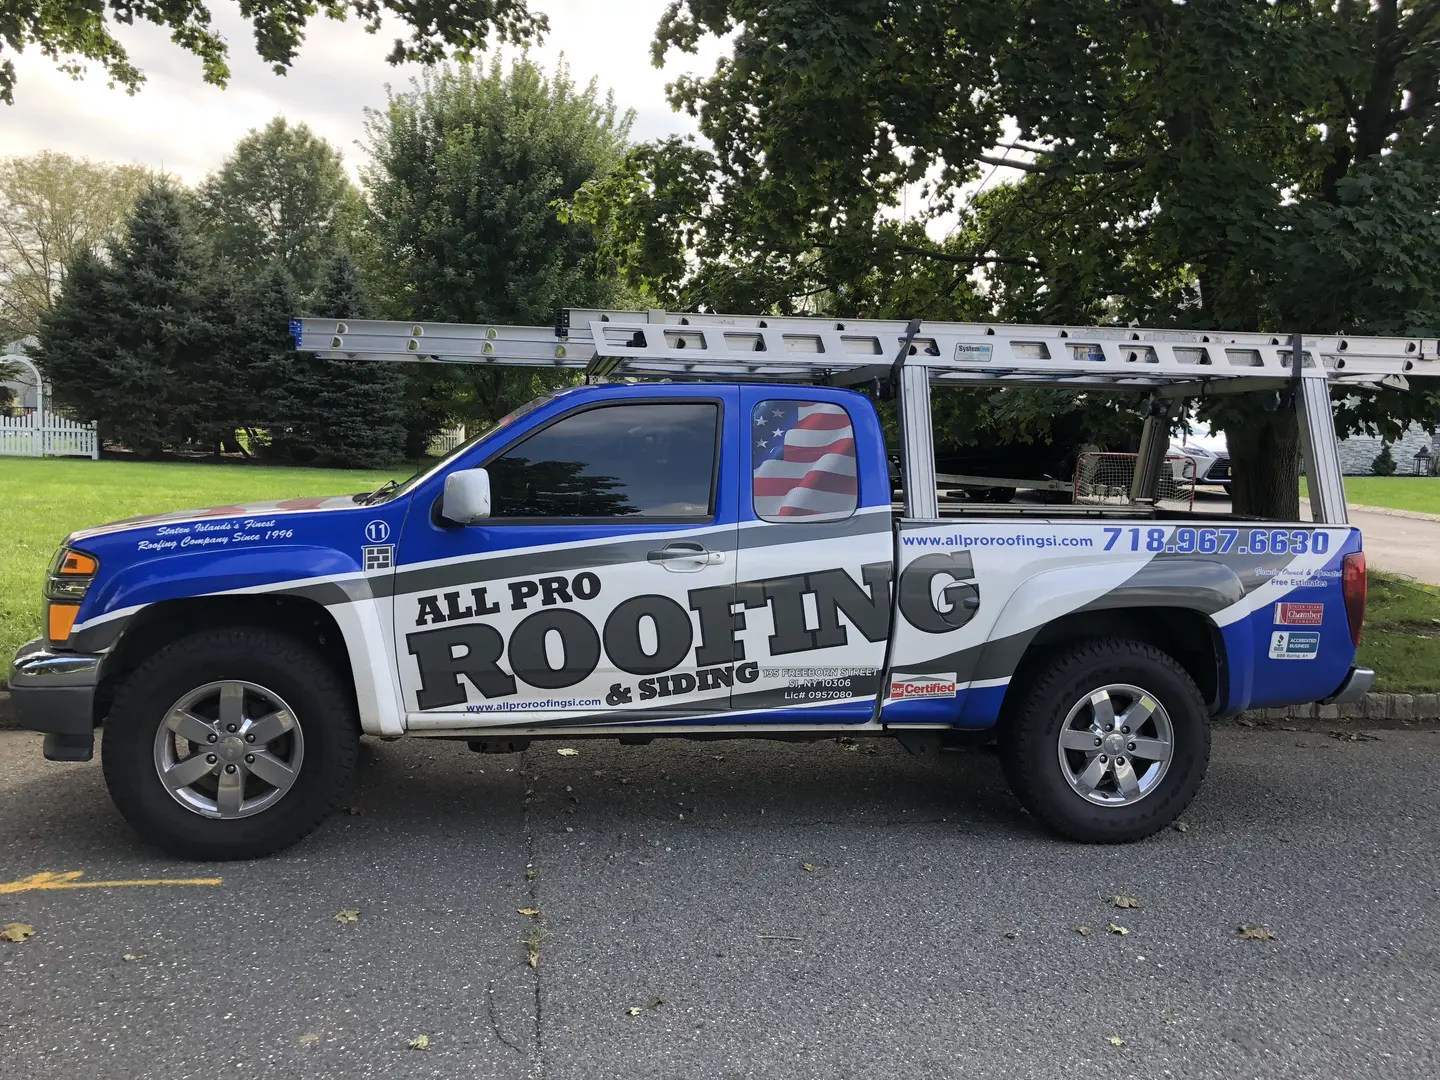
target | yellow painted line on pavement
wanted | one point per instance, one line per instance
(70, 879)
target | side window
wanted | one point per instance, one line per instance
(654, 460)
(802, 455)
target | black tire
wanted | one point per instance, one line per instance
(1029, 739)
(324, 709)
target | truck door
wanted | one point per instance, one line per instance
(815, 557)
(572, 603)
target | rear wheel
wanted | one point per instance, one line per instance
(1109, 743)
(230, 744)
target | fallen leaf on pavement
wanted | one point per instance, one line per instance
(1116, 929)
(348, 916)
(1256, 933)
(568, 751)
(809, 868)
(1121, 900)
(634, 1010)
(1180, 826)
(309, 1038)
(130, 957)
(420, 1042)
(17, 931)
(1116, 1040)
(532, 912)
(530, 875)
(1083, 931)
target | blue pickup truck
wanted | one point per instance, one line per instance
(700, 559)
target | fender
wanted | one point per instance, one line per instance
(332, 578)
(1199, 585)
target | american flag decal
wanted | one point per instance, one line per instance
(804, 461)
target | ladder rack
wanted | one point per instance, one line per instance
(660, 344)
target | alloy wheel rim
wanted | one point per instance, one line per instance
(229, 749)
(1116, 745)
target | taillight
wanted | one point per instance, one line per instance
(1352, 584)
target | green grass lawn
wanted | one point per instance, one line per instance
(1395, 492)
(1402, 635)
(44, 499)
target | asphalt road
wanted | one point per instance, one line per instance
(933, 937)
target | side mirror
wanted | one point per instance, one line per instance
(467, 496)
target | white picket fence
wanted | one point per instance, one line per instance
(40, 433)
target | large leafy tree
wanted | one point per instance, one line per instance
(1230, 164)
(53, 208)
(467, 168)
(76, 33)
(281, 196)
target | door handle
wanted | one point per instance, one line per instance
(685, 558)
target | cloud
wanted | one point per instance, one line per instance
(180, 124)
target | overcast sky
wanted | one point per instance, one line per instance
(182, 125)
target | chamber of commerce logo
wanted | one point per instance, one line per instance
(379, 556)
(1289, 613)
(377, 532)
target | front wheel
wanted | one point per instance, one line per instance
(1109, 743)
(230, 744)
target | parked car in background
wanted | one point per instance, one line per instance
(1212, 464)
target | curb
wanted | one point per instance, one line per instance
(1405, 707)
(1388, 511)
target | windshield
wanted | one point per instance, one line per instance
(484, 432)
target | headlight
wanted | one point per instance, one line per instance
(66, 583)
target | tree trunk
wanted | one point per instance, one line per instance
(1265, 466)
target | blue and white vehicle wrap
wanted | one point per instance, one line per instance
(854, 621)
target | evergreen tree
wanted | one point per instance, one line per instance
(1384, 463)
(357, 407)
(124, 345)
(222, 388)
(158, 306)
(274, 389)
(77, 344)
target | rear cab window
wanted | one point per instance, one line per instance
(803, 466)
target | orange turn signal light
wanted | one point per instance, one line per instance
(78, 563)
(59, 619)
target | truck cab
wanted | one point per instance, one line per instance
(717, 558)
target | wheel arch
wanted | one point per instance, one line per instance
(157, 625)
(1168, 602)
(1185, 633)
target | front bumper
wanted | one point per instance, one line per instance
(54, 692)
(1356, 685)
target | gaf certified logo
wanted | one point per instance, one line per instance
(377, 532)
(1292, 614)
(922, 688)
